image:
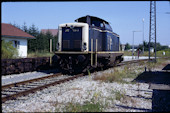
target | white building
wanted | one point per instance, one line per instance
(17, 36)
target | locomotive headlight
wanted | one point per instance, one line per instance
(58, 46)
(71, 26)
(84, 46)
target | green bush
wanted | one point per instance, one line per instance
(8, 51)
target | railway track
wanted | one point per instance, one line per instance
(14, 90)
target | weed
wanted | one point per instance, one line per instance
(116, 76)
(94, 105)
(118, 95)
(159, 63)
(121, 74)
(40, 54)
(89, 74)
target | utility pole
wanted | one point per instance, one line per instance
(143, 35)
(133, 44)
(50, 45)
(152, 27)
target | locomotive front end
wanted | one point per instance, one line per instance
(73, 37)
(72, 47)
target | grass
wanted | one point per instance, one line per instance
(118, 95)
(146, 53)
(167, 53)
(86, 107)
(94, 105)
(129, 71)
(39, 54)
(160, 62)
(118, 75)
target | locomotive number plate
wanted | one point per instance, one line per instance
(74, 30)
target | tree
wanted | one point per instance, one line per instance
(8, 51)
(49, 36)
(24, 28)
(55, 41)
(42, 42)
(146, 46)
(33, 31)
(39, 40)
(32, 43)
(127, 46)
(158, 46)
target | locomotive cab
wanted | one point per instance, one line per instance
(95, 22)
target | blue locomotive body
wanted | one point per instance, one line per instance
(88, 43)
(106, 41)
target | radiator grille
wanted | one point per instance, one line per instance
(77, 44)
(66, 44)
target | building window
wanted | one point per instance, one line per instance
(16, 44)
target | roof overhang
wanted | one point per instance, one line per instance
(7, 36)
(92, 17)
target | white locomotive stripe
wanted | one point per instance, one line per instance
(75, 52)
(106, 31)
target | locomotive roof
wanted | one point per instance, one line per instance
(84, 17)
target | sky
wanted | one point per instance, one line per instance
(124, 17)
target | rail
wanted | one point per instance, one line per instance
(27, 90)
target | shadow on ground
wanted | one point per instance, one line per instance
(160, 95)
(49, 71)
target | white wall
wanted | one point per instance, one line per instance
(22, 49)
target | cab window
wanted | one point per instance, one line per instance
(97, 23)
(108, 27)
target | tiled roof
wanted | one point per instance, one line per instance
(9, 30)
(53, 31)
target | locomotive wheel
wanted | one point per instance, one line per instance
(72, 65)
(116, 62)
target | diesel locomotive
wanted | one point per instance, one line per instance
(87, 43)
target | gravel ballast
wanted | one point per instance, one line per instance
(137, 97)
